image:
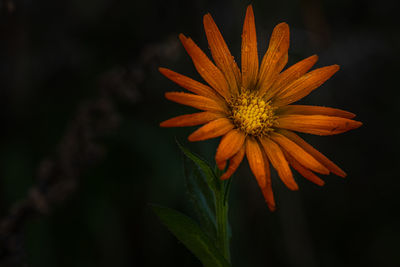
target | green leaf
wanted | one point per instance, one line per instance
(210, 176)
(191, 235)
(227, 189)
(201, 196)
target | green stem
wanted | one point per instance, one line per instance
(221, 212)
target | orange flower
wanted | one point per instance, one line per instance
(251, 109)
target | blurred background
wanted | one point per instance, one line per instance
(80, 104)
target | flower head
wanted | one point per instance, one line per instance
(252, 109)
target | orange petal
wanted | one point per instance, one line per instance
(196, 101)
(212, 129)
(234, 163)
(314, 110)
(191, 119)
(191, 85)
(313, 152)
(306, 173)
(267, 190)
(282, 62)
(291, 74)
(270, 67)
(229, 146)
(278, 160)
(301, 87)
(221, 54)
(298, 153)
(210, 73)
(249, 51)
(317, 124)
(259, 165)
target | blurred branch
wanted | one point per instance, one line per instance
(57, 176)
(7, 5)
(316, 22)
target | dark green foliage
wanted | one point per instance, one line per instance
(191, 235)
(201, 197)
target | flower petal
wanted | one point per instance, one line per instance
(313, 152)
(230, 144)
(306, 173)
(317, 124)
(221, 54)
(234, 163)
(282, 62)
(191, 119)
(270, 67)
(278, 160)
(249, 51)
(291, 74)
(212, 129)
(191, 85)
(267, 190)
(301, 87)
(210, 73)
(298, 153)
(314, 110)
(196, 101)
(259, 165)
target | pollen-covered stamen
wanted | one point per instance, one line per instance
(252, 114)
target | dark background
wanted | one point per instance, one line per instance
(55, 56)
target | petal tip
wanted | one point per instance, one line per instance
(354, 125)
(221, 164)
(283, 26)
(358, 124)
(335, 67)
(196, 136)
(207, 18)
(193, 137)
(323, 170)
(209, 24)
(314, 58)
(183, 38)
(249, 8)
(294, 187)
(351, 115)
(271, 207)
(168, 95)
(225, 176)
(162, 70)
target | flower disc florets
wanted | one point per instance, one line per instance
(252, 114)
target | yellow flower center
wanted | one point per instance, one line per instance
(252, 114)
